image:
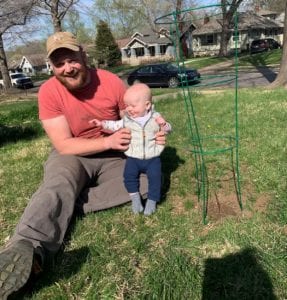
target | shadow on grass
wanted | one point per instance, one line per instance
(170, 162)
(259, 61)
(236, 276)
(14, 134)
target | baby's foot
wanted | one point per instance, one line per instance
(136, 203)
(150, 207)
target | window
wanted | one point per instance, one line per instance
(139, 51)
(209, 39)
(235, 37)
(156, 69)
(151, 51)
(162, 49)
(145, 70)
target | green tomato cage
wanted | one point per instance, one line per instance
(214, 148)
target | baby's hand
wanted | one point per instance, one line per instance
(164, 126)
(160, 121)
(96, 122)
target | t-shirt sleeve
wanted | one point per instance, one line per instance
(121, 91)
(48, 101)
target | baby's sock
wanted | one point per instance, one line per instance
(136, 203)
(150, 207)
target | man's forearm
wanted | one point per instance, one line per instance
(82, 146)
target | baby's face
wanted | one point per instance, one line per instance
(137, 106)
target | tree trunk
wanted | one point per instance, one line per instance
(227, 19)
(224, 39)
(4, 66)
(179, 26)
(56, 19)
(281, 79)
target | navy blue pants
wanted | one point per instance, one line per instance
(151, 167)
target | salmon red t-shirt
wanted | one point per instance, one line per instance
(101, 99)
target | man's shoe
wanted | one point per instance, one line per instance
(16, 262)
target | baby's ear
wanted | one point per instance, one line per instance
(148, 105)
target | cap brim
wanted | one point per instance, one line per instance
(71, 47)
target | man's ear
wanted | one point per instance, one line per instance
(84, 56)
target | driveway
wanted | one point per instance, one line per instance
(247, 76)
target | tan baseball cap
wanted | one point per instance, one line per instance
(62, 40)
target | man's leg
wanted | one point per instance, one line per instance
(44, 221)
(110, 190)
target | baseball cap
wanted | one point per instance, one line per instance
(62, 40)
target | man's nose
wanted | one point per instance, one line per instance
(68, 67)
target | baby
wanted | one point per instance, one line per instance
(143, 155)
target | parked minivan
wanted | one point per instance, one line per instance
(262, 45)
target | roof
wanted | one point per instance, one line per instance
(122, 42)
(246, 20)
(36, 59)
(147, 36)
(252, 20)
(265, 12)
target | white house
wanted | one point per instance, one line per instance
(34, 64)
(206, 38)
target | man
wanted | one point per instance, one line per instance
(85, 168)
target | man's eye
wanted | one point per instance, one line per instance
(58, 65)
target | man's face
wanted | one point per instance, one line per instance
(70, 68)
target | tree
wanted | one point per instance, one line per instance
(273, 5)
(57, 9)
(228, 10)
(11, 15)
(124, 17)
(281, 79)
(107, 50)
(73, 23)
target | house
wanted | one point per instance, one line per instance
(200, 38)
(146, 46)
(206, 38)
(34, 64)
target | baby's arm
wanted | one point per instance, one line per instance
(108, 124)
(164, 126)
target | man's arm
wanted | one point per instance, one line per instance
(61, 137)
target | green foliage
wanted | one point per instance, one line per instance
(19, 122)
(114, 254)
(107, 50)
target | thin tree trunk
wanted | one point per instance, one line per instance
(56, 19)
(281, 79)
(4, 66)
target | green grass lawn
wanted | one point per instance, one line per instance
(171, 255)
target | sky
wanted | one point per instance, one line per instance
(84, 7)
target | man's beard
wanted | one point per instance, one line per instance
(76, 82)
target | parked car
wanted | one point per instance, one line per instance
(262, 45)
(19, 80)
(164, 74)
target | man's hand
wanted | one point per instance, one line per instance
(160, 138)
(119, 140)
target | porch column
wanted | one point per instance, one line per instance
(133, 52)
(146, 51)
(157, 50)
(124, 53)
